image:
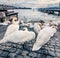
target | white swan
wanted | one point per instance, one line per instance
(37, 27)
(19, 36)
(43, 37)
(30, 25)
(6, 22)
(47, 24)
(13, 27)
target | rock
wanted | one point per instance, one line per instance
(18, 51)
(41, 56)
(57, 50)
(12, 50)
(2, 47)
(4, 54)
(19, 46)
(32, 54)
(24, 53)
(12, 55)
(58, 55)
(52, 49)
(44, 51)
(8, 44)
(50, 57)
(26, 57)
(14, 45)
(19, 56)
(1, 52)
(2, 57)
(51, 53)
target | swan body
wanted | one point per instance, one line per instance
(37, 28)
(43, 37)
(13, 33)
(13, 27)
(5, 23)
(19, 36)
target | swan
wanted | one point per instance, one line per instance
(19, 36)
(6, 22)
(13, 27)
(54, 22)
(43, 37)
(30, 25)
(48, 24)
(37, 27)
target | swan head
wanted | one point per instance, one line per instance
(30, 25)
(25, 29)
(59, 26)
(41, 21)
(55, 26)
(15, 21)
(21, 21)
(40, 24)
(49, 23)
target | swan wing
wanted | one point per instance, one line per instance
(11, 29)
(43, 37)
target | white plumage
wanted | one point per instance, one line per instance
(5, 23)
(37, 28)
(13, 27)
(43, 37)
(19, 36)
(13, 34)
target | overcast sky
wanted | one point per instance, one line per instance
(33, 1)
(37, 2)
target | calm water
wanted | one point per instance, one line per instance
(30, 15)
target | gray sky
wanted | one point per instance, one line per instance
(37, 2)
(32, 1)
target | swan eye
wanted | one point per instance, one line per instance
(23, 29)
(53, 27)
(15, 20)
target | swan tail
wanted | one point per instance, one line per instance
(2, 41)
(36, 47)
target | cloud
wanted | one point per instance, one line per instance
(33, 3)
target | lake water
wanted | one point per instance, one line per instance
(34, 15)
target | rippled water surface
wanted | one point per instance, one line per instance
(31, 15)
